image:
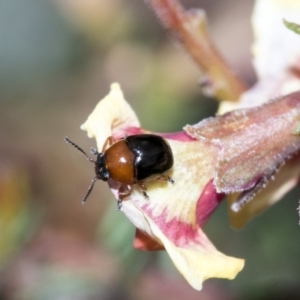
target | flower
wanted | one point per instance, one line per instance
(235, 154)
(276, 62)
(248, 153)
(173, 216)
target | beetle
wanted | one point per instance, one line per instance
(130, 161)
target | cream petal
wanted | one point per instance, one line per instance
(112, 116)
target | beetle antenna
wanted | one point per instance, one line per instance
(89, 189)
(79, 149)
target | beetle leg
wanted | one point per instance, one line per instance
(123, 192)
(144, 189)
(119, 204)
(165, 178)
(109, 141)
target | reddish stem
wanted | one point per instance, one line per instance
(190, 29)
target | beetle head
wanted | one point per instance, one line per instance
(100, 167)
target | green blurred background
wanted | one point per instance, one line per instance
(57, 60)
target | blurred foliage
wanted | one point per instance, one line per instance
(36, 45)
(292, 26)
(16, 217)
(57, 59)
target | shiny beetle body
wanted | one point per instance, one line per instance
(135, 158)
(132, 160)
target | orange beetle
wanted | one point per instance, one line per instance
(131, 160)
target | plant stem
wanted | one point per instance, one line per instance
(190, 29)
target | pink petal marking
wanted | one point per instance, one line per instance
(207, 203)
(178, 136)
(183, 233)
